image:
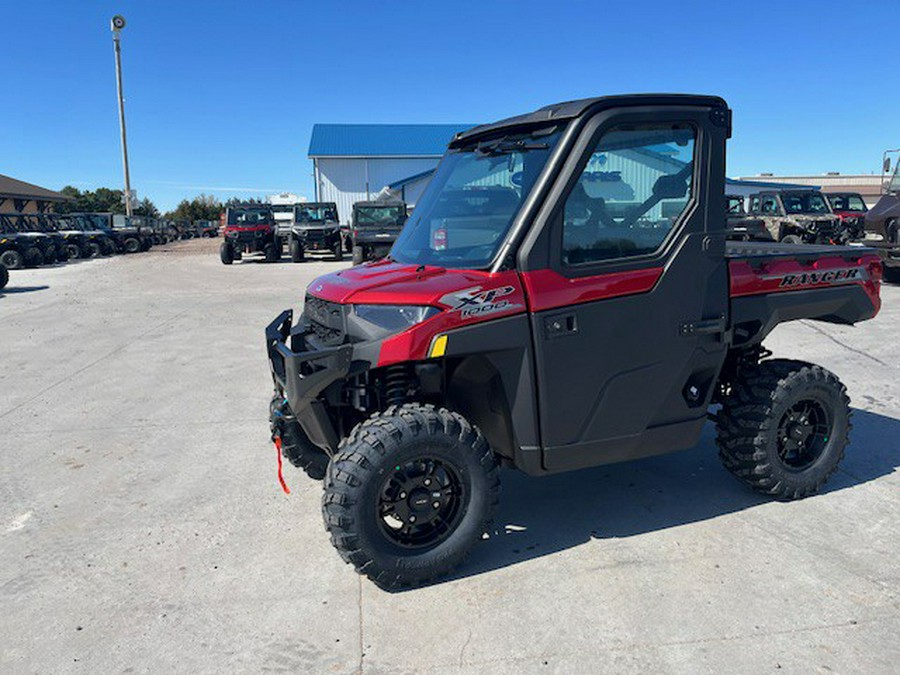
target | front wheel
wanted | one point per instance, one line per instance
(73, 251)
(226, 253)
(297, 253)
(783, 428)
(12, 259)
(4, 276)
(409, 493)
(359, 255)
(792, 239)
(339, 250)
(272, 253)
(94, 250)
(132, 245)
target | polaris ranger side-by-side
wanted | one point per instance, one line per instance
(316, 229)
(739, 226)
(249, 228)
(374, 228)
(17, 250)
(796, 216)
(535, 315)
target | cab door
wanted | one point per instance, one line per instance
(627, 288)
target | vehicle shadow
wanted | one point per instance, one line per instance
(13, 290)
(541, 516)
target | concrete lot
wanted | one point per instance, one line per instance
(142, 529)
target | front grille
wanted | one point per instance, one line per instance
(326, 319)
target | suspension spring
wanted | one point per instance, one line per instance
(396, 384)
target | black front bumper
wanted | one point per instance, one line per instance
(301, 373)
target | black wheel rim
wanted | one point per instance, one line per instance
(421, 503)
(803, 433)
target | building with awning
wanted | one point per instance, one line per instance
(356, 162)
(17, 196)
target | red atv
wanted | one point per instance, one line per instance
(249, 228)
(562, 297)
(851, 209)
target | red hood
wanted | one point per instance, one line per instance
(394, 283)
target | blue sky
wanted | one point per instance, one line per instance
(221, 96)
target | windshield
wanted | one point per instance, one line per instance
(848, 202)
(379, 215)
(311, 212)
(248, 217)
(804, 202)
(736, 205)
(462, 218)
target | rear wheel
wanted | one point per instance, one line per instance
(792, 239)
(297, 252)
(784, 427)
(409, 493)
(359, 255)
(34, 258)
(4, 276)
(226, 253)
(12, 259)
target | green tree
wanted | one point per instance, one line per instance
(102, 200)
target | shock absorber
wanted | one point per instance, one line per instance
(396, 384)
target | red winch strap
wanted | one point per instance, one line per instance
(284, 486)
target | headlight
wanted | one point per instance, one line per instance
(394, 317)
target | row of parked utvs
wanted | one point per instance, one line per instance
(40, 239)
(310, 228)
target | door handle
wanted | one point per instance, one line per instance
(560, 324)
(705, 327)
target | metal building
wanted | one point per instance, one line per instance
(354, 162)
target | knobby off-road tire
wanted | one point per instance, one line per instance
(300, 451)
(784, 427)
(272, 253)
(297, 252)
(132, 245)
(892, 275)
(358, 255)
(792, 239)
(339, 250)
(94, 250)
(12, 259)
(34, 258)
(382, 515)
(226, 253)
(4, 276)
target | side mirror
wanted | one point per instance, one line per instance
(670, 187)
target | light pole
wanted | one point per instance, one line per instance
(117, 24)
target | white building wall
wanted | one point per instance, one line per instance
(343, 179)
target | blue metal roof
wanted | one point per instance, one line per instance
(382, 140)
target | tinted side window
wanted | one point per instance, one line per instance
(637, 183)
(754, 204)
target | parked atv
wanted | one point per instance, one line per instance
(374, 227)
(740, 226)
(536, 314)
(851, 209)
(99, 243)
(37, 248)
(796, 216)
(17, 251)
(249, 228)
(137, 231)
(316, 229)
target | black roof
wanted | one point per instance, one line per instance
(570, 109)
(19, 189)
